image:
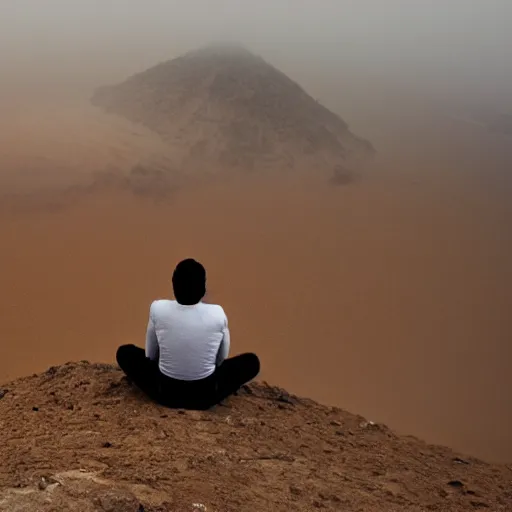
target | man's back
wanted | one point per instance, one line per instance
(189, 341)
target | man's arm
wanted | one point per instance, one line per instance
(224, 344)
(152, 350)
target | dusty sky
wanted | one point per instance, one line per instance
(441, 45)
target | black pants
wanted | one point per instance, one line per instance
(202, 394)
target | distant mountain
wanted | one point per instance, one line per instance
(501, 124)
(223, 106)
(491, 118)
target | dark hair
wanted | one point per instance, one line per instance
(189, 282)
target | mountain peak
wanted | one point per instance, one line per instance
(224, 106)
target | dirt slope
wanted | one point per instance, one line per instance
(79, 437)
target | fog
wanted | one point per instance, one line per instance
(389, 297)
(438, 46)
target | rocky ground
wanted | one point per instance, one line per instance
(79, 437)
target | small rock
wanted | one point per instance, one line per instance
(35, 409)
(295, 490)
(329, 497)
(107, 445)
(199, 507)
(458, 460)
(335, 423)
(285, 398)
(117, 501)
(456, 484)
(47, 484)
(247, 390)
(164, 416)
(52, 487)
(3, 392)
(479, 504)
(43, 484)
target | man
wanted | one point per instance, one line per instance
(186, 363)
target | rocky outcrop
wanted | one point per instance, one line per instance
(79, 437)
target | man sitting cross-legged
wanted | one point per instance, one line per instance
(185, 364)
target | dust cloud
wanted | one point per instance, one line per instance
(388, 295)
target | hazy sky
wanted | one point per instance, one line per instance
(448, 43)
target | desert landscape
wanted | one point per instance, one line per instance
(398, 281)
(354, 224)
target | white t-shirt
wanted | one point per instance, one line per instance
(189, 342)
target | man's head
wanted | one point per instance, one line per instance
(189, 282)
